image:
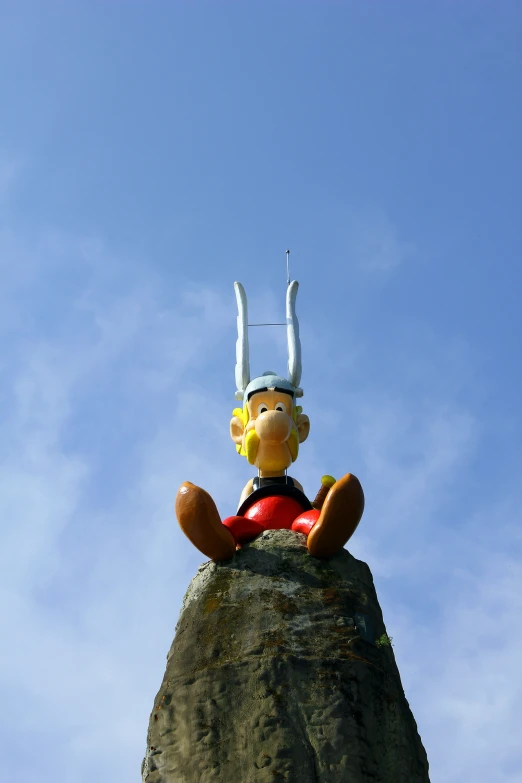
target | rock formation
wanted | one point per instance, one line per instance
(281, 670)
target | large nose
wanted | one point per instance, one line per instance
(273, 427)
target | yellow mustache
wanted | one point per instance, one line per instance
(252, 442)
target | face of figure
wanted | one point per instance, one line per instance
(273, 432)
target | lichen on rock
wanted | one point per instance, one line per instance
(274, 675)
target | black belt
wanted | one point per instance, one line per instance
(274, 490)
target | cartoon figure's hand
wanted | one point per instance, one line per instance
(327, 483)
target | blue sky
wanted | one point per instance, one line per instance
(150, 155)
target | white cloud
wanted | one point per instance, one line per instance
(460, 668)
(412, 453)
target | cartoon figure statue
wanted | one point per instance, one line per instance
(267, 430)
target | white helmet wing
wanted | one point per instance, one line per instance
(294, 343)
(242, 352)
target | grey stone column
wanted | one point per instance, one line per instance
(281, 670)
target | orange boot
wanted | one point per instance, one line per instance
(199, 519)
(340, 515)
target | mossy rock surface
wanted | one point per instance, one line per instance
(269, 679)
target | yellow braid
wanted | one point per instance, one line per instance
(243, 414)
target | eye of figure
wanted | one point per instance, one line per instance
(281, 407)
(262, 408)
